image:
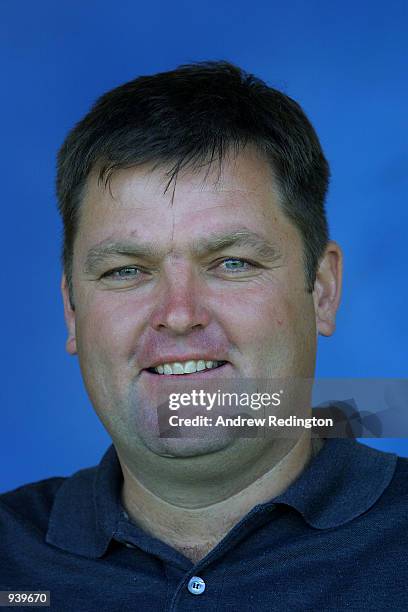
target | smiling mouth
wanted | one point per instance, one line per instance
(178, 368)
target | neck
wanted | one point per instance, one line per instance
(195, 527)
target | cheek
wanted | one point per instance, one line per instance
(106, 340)
(256, 313)
(107, 330)
(297, 331)
(294, 316)
(273, 324)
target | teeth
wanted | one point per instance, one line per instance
(187, 367)
(177, 368)
(190, 367)
(200, 365)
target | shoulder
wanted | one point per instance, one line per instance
(398, 487)
(388, 469)
(31, 502)
(390, 510)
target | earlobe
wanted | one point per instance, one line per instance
(327, 289)
(69, 314)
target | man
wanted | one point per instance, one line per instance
(196, 249)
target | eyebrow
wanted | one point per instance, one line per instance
(202, 247)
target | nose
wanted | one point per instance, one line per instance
(180, 306)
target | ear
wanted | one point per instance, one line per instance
(327, 289)
(69, 314)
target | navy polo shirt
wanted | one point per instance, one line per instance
(336, 539)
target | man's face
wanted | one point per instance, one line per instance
(216, 274)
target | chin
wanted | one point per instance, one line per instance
(187, 447)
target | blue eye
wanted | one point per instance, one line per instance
(233, 264)
(125, 273)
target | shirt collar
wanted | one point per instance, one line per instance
(344, 480)
(86, 510)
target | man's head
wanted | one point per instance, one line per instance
(189, 118)
(231, 264)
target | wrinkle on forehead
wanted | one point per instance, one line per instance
(236, 176)
(245, 186)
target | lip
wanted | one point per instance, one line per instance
(203, 374)
(182, 359)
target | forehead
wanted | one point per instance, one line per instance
(234, 176)
(241, 192)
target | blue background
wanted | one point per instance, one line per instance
(344, 62)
